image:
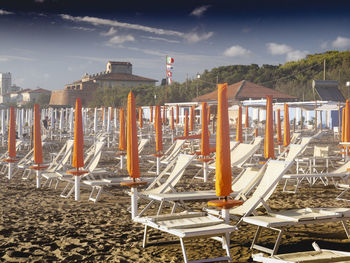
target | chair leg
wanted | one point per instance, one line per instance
(145, 237)
(183, 250)
(346, 228)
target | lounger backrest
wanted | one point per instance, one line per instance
(295, 137)
(65, 158)
(182, 162)
(321, 151)
(343, 168)
(233, 144)
(175, 150)
(142, 144)
(97, 156)
(305, 140)
(244, 179)
(258, 140)
(273, 173)
(294, 151)
(242, 153)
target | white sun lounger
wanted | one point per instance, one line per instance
(317, 256)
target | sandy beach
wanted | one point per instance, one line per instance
(40, 226)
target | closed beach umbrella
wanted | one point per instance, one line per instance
(140, 117)
(286, 127)
(177, 114)
(205, 134)
(159, 139)
(122, 141)
(279, 131)
(223, 175)
(172, 118)
(208, 119)
(343, 125)
(246, 123)
(38, 150)
(78, 149)
(347, 122)
(186, 132)
(239, 137)
(12, 134)
(192, 119)
(269, 148)
(151, 111)
(132, 143)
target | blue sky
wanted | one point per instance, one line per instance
(50, 43)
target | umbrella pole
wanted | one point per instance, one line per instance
(121, 162)
(77, 186)
(10, 171)
(133, 201)
(38, 178)
(205, 171)
(158, 165)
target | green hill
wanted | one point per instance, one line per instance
(293, 78)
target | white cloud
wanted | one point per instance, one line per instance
(110, 32)
(4, 12)
(4, 58)
(82, 28)
(194, 37)
(296, 55)
(117, 40)
(278, 49)
(324, 45)
(341, 42)
(113, 23)
(199, 11)
(162, 39)
(236, 51)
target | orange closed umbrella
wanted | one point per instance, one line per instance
(192, 119)
(172, 118)
(239, 137)
(122, 140)
(286, 127)
(159, 139)
(205, 134)
(246, 122)
(343, 125)
(208, 119)
(177, 114)
(140, 117)
(223, 175)
(38, 150)
(78, 149)
(151, 110)
(347, 122)
(12, 134)
(268, 147)
(131, 139)
(279, 131)
(186, 132)
(164, 114)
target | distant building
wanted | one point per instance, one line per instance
(24, 96)
(116, 74)
(5, 83)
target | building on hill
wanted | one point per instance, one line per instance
(5, 83)
(245, 90)
(116, 74)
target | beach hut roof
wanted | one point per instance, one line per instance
(245, 90)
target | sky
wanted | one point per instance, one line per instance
(50, 43)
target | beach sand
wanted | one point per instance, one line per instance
(37, 225)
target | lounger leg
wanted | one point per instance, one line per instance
(145, 237)
(183, 250)
(256, 237)
(100, 189)
(146, 207)
(278, 241)
(226, 245)
(346, 228)
(38, 179)
(160, 207)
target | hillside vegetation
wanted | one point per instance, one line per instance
(293, 78)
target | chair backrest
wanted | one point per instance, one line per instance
(142, 144)
(321, 151)
(242, 153)
(294, 151)
(174, 152)
(295, 137)
(274, 171)
(182, 161)
(65, 158)
(247, 177)
(305, 140)
(97, 156)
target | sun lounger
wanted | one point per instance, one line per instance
(319, 255)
